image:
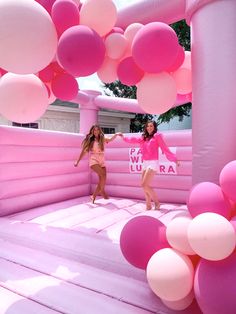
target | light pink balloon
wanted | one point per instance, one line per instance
(28, 37)
(65, 86)
(170, 274)
(208, 197)
(107, 73)
(131, 31)
(81, 51)
(180, 304)
(23, 98)
(177, 235)
(128, 72)
(228, 180)
(156, 93)
(211, 236)
(155, 47)
(116, 45)
(99, 15)
(65, 13)
(183, 79)
(187, 60)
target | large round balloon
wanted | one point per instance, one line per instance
(99, 15)
(23, 98)
(65, 13)
(65, 86)
(208, 197)
(156, 93)
(81, 51)
(107, 73)
(128, 72)
(28, 36)
(211, 236)
(170, 274)
(155, 47)
(140, 238)
(228, 180)
(214, 286)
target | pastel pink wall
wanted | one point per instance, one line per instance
(36, 168)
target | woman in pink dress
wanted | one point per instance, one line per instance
(94, 144)
(149, 143)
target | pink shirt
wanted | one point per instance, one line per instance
(149, 148)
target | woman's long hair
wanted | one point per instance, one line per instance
(146, 136)
(87, 143)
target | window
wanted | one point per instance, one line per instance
(26, 125)
(108, 130)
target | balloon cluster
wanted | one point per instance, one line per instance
(194, 255)
(47, 44)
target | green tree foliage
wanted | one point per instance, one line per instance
(119, 90)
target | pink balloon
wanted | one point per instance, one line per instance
(65, 13)
(28, 37)
(81, 51)
(107, 73)
(155, 47)
(156, 93)
(23, 98)
(177, 235)
(99, 15)
(180, 304)
(128, 72)
(170, 274)
(214, 286)
(47, 74)
(47, 4)
(211, 236)
(140, 238)
(228, 180)
(116, 45)
(65, 87)
(178, 60)
(208, 197)
(183, 79)
(115, 29)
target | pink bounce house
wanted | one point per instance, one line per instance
(59, 252)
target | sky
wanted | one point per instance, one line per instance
(92, 82)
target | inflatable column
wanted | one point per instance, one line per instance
(213, 37)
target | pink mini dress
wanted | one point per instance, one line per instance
(96, 156)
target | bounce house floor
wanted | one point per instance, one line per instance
(65, 258)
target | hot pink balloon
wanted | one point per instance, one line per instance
(64, 86)
(47, 4)
(81, 51)
(65, 13)
(156, 93)
(99, 15)
(128, 72)
(140, 238)
(211, 236)
(208, 197)
(214, 286)
(178, 60)
(47, 74)
(170, 274)
(228, 180)
(155, 47)
(28, 37)
(23, 98)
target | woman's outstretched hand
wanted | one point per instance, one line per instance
(119, 134)
(76, 163)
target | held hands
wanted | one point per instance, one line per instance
(76, 163)
(119, 134)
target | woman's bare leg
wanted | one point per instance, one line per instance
(147, 197)
(101, 172)
(146, 184)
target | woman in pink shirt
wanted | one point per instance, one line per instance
(94, 144)
(149, 143)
